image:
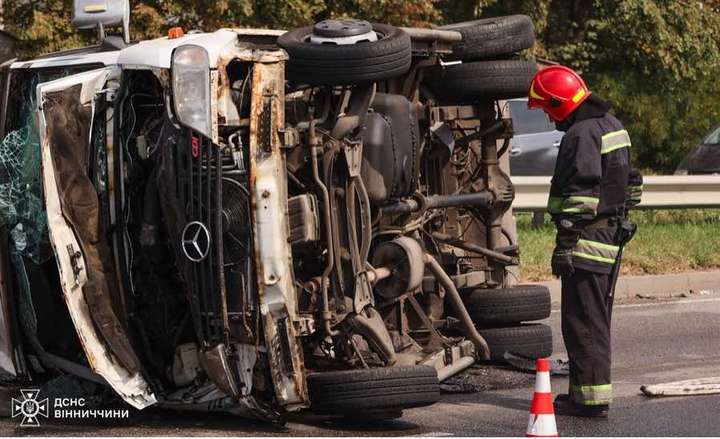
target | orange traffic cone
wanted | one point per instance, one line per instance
(542, 413)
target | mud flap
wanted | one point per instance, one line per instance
(278, 301)
(86, 269)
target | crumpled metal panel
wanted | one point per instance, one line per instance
(72, 265)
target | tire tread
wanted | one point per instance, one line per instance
(501, 306)
(529, 340)
(379, 389)
(470, 81)
(492, 37)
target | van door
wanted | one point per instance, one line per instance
(67, 111)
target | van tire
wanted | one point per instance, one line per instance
(489, 37)
(378, 390)
(469, 82)
(530, 340)
(503, 306)
(361, 63)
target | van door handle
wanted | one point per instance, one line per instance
(556, 143)
(515, 152)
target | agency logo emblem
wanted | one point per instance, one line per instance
(30, 408)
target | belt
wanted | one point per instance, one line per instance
(601, 223)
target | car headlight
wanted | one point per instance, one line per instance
(191, 87)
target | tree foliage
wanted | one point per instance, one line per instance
(655, 60)
(44, 26)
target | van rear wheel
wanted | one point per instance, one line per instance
(491, 37)
(469, 82)
(380, 391)
(529, 340)
(503, 306)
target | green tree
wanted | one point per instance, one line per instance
(44, 26)
(655, 60)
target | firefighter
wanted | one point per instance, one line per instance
(592, 189)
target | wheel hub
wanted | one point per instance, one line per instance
(342, 32)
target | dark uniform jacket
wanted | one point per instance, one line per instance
(593, 185)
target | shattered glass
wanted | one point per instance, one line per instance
(21, 204)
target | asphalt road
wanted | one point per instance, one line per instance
(653, 342)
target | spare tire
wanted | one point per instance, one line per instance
(521, 303)
(469, 82)
(378, 390)
(347, 64)
(531, 341)
(494, 36)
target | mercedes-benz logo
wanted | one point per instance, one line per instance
(196, 241)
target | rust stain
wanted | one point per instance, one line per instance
(275, 288)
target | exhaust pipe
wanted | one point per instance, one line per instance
(457, 304)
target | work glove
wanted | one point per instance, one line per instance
(634, 189)
(562, 264)
(567, 237)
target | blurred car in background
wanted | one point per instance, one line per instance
(704, 158)
(534, 147)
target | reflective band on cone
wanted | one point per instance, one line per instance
(542, 412)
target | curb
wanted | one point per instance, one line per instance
(663, 285)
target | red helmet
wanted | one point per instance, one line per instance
(558, 91)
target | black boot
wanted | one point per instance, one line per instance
(565, 407)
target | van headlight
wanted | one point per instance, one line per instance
(191, 87)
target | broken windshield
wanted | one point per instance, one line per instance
(21, 206)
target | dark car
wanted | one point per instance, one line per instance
(534, 147)
(704, 158)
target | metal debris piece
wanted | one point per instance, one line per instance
(701, 386)
(483, 378)
(558, 366)
(463, 383)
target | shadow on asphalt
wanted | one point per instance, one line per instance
(357, 425)
(154, 422)
(491, 399)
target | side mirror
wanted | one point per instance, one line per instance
(88, 14)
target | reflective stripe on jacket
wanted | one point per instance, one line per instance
(591, 181)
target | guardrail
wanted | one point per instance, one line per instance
(659, 192)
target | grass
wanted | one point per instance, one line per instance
(667, 241)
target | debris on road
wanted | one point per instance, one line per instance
(693, 293)
(558, 366)
(482, 378)
(702, 386)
